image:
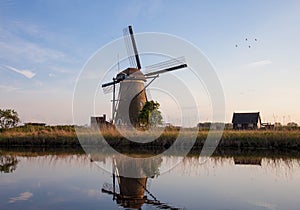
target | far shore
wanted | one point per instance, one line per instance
(65, 136)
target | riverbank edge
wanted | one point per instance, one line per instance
(32, 151)
(230, 139)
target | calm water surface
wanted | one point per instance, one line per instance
(72, 181)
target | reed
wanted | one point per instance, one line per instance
(38, 135)
(66, 136)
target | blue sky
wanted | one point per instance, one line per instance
(45, 44)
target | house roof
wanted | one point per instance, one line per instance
(245, 118)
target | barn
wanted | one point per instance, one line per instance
(247, 120)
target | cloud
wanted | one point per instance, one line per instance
(92, 192)
(8, 88)
(22, 197)
(89, 192)
(27, 73)
(14, 50)
(51, 75)
(265, 205)
(142, 9)
(15, 47)
(259, 63)
(27, 27)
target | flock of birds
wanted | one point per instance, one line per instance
(248, 42)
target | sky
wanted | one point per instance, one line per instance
(45, 44)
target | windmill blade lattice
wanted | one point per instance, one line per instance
(129, 48)
(165, 66)
(107, 89)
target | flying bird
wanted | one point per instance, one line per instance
(249, 43)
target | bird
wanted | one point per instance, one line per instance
(255, 39)
(249, 46)
(236, 45)
(246, 39)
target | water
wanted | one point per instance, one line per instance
(69, 180)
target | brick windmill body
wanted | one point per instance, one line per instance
(132, 83)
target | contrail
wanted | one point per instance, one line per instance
(27, 73)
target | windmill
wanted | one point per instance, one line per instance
(133, 82)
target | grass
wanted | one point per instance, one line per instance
(39, 135)
(66, 136)
(262, 139)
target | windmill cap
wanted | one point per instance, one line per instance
(134, 73)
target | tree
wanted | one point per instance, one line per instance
(277, 124)
(8, 118)
(8, 164)
(292, 125)
(150, 116)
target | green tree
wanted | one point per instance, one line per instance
(150, 116)
(8, 118)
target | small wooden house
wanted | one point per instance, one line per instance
(249, 120)
(101, 122)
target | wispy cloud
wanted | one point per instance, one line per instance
(266, 205)
(14, 46)
(144, 9)
(7, 88)
(26, 50)
(259, 63)
(22, 197)
(27, 28)
(27, 73)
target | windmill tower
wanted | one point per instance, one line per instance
(132, 83)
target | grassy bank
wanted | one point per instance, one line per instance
(58, 136)
(269, 139)
(39, 135)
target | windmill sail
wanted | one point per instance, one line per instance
(107, 89)
(108, 84)
(166, 66)
(131, 48)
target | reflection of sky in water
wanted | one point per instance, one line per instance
(69, 182)
(73, 182)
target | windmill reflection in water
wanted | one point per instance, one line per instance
(130, 177)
